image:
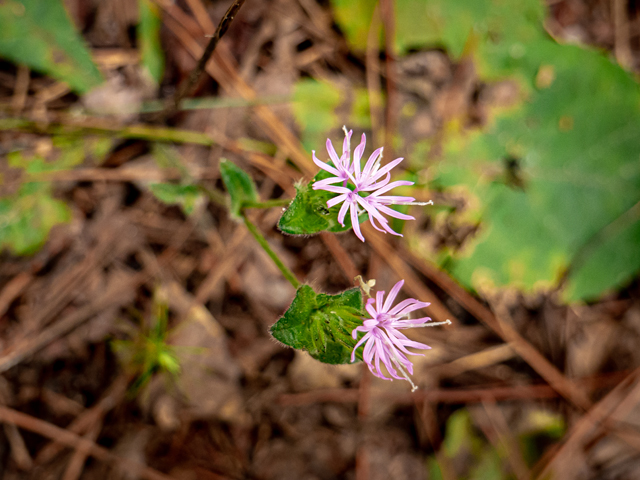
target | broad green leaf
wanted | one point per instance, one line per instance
(321, 324)
(240, 186)
(309, 214)
(40, 35)
(151, 52)
(27, 217)
(551, 175)
(186, 196)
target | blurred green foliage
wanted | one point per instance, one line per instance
(28, 215)
(148, 32)
(40, 35)
(472, 457)
(185, 196)
(552, 181)
(147, 352)
(316, 104)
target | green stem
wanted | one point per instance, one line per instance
(91, 127)
(288, 274)
(215, 196)
(278, 202)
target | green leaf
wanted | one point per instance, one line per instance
(551, 175)
(322, 324)
(186, 196)
(27, 217)
(309, 214)
(240, 186)
(40, 35)
(149, 38)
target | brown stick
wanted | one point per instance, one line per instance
(46, 429)
(477, 395)
(186, 86)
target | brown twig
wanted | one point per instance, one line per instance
(339, 253)
(185, 88)
(224, 72)
(46, 429)
(455, 396)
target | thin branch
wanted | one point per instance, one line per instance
(185, 88)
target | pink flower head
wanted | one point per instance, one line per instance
(372, 181)
(383, 343)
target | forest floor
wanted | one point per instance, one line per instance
(519, 386)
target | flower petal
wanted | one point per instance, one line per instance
(324, 166)
(392, 295)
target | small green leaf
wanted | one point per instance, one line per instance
(149, 38)
(309, 214)
(322, 324)
(184, 195)
(27, 217)
(239, 185)
(41, 36)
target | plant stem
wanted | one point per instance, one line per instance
(288, 274)
(278, 202)
(92, 127)
(215, 196)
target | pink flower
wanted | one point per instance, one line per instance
(372, 181)
(383, 343)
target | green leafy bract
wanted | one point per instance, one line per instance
(40, 35)
(309, 214)
(322, 324)
(240, 187)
